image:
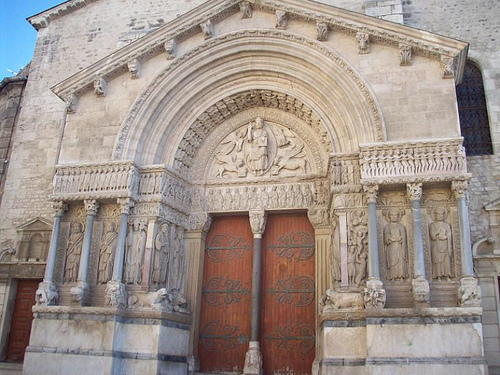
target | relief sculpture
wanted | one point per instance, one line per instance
(136, 246)
(73, 252)
(357, 256)
(441, 245)
(107, 253)
(395, 244)
(176, 269)
(161, 260)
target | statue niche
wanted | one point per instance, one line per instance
(34, 240)
(260, 149)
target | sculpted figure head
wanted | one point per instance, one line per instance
(440, 214)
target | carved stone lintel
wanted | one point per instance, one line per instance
(47, 294)
(91, 206)
(371, 192)
(59, 208)
(333, 300)
(374, 294)
(253, 359)
(125, 205)
(459, 188)
(319, 216)
(71, 103)
(171, 48)
(281, 20)
(80, 293)
(420, 290)
(100, 87)
(258, 221)
(116, 294)
(207, 29)
(134, 67)
(405, 55)
(448, 65)
(414, 191)
(200, 221)
(246, 9)
(469, 292)
(364, 42)
(322, 31)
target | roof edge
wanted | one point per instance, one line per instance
(43, 19)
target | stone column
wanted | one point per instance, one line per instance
(374, 294)
(253, 358)
(199, 224)
(47, 293)
(469, 293)
(116, 295)
(80, 293)
(420, 285)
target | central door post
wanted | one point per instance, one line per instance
(253, 357)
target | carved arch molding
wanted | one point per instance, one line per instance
(299, 87)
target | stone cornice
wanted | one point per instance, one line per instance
(422, 43)
(43, 19)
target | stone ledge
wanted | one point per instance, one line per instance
(426, 360)
(343, 362)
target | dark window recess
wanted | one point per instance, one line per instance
(473, 113)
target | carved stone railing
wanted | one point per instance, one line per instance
(421, 161)
(95, 181)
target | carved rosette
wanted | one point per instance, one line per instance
(246, 9)
(253, 359)
(469, 292)
(319, 217)
(459, 188)
(364, 42)
(414, 191)
(200, 221)
(421, 290)
(125, 205)
(405, 55)
(374, 295)
(258, 220)
(91, 206)
(371, 193)
(116, 294)
(59, 208)
(47, 294)
(322, 31)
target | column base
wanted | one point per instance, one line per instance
(80, 294)
(253, 359)
(116, 294)
(374, 294)
(469, 293)
(47, 294)
(421, 292)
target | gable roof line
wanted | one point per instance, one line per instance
(43, 19)
(380, 31)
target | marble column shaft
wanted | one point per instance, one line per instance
(459, 188)
(60, 207)
(125, 205)
(373, 262)
(91, 206)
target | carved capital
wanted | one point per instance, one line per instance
(281, 20)
(364, 42)
(100, 87)
(405, 54)
(246, 9)
(116, 294)
(207, 29)
(125, 205)
(319, 217)
(71, 103)
(414, 191)
(321, 31)
(91, 206)
(134, 67)
(374, 294)
(371, 192)
(469, 293)
(171, 48)
(47, 294)
(200, 221)
(258, 221)
(59, 208)
(459, 188)
(448, 65)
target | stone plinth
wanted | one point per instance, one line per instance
(82, 341)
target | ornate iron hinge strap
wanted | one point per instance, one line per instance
(300, 338)
(289, 244)
(216, 337)
(229, 291)
(286, 289)
(221, 244)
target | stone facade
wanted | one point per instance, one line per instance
(146, 119)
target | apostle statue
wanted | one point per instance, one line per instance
(107, 253)
(73, 253)
(441, 245)
(135, 253)
(161, 259)
(396, 249)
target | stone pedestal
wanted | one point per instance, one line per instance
(253, 359)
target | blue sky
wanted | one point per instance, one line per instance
(17, 36)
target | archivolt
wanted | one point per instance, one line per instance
(180, 98)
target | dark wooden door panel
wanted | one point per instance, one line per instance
(21, 320)
(288, 295)
(226, 295)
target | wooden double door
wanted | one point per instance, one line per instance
(287, 316)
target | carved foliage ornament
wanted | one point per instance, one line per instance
(448, 65)
(371, 192)
(258, 221)
(405, 54)
(364, 42)
(459, 188)
(322, 31)
(91, 206)
(414, 191)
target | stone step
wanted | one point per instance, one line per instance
(7, 368)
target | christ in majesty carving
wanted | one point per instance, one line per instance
(257, 157)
